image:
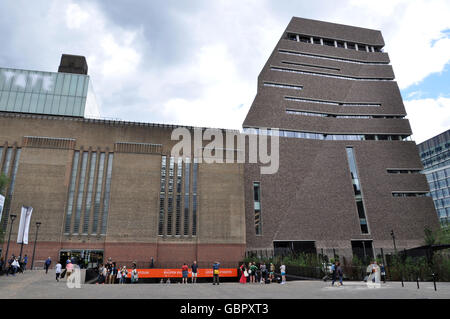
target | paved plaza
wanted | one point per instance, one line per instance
(36, 284)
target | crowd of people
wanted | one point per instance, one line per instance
(110, 273)
(261, 273)
(14, 265)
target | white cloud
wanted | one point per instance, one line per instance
(428, 117)
(413, 33)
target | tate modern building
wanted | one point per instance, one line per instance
(348, 173)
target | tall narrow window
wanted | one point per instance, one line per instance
(357, 191)
(194, 197)
(107, 193)
(84, 161)
(162, 195)
(87, 210)
(73, 180)
(98, 193)
(10, 192)
(257, 206)
(7, 160)
(178, 209)
(170, 197)
(187, 172)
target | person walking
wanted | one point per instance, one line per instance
(339, 273)
(184, 273)
(333, 273)
(283, 274)
(58, 269)
(194, 272)
(69, 269)
(24, 263)
(215, 268)
(47, 264)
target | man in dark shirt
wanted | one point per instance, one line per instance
(215, 267)
(194, 268)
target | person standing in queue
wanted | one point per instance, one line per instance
(215, 267)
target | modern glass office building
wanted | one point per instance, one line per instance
(435, 155)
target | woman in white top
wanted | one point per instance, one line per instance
(283, 274)
(58, 269)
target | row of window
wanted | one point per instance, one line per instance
(436, 150)
(438, 175)
(90, 179)
(410, 194)
(434, 161)
(343, 116)
(305, 100)
(311, 65)
(444, 212)
(326, 137)
(442, 203)
(327, 75)
(183, 197)
(443, 183)
(317, 56)
(9, 163)
(403, 171)
(429, 165)
(283, 86)
(333, 43)
(440, 193)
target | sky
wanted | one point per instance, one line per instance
(196, 62)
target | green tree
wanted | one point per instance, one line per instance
(4, 182)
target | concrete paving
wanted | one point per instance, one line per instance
(37, 284)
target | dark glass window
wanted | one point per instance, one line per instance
(162, 195)
(351, 46)
(305, 39)
(328, 42)
(357, 191)
(257, 206)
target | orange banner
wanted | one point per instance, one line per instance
(176, 273)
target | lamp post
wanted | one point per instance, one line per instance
(35, 240)
(393, 239)
(13, 217)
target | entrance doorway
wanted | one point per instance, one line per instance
(85, 259)
(363, 249)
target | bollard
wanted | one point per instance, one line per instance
(418, 283)
(434, 281)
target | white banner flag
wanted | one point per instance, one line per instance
(2, 204)
(24, 226)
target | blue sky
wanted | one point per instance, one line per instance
(433, 86)
(196, 62)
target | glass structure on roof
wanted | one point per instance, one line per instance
(52, 93)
